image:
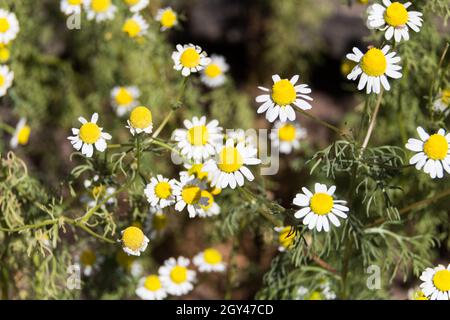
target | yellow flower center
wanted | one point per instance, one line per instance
(133, 238)
(141, 117)
(190, 58)
(159, 221)
(163, 190)
(321, 203)
(124, 260)
(347, 66)
(131, 2)
(396, 15)
(374, 63)
(208, 195)
(441, 280)
(131, 27)
(89, 132)
(213, 70)
(100, 5)
(178, 274)
(97, 191)
(191, 194)
(419, 295)
(212, 256)
(230, 160)
(87, 257)
(287, 132)
(2, 80)
(196, 170)
(198, 135)
(123, 97)
(168, 19)
(215, 191)
(152, 283)
(436, 147)
(315, 296)
(24, 135)
(286, 237)
(4, 25)
(283, 93)
(75, 2)
(446, 96)
(4, 54)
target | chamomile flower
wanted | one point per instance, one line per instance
(230, 166)
(188, 192)
(88, 260)
(140, 121)
(214, 73)
(278, 101)
(133, 241)
(176, 277)
(21, 134)
(9, 26)
(124, 99)
(5, 54)
(415, 294)
(374, 67)
(129, 264)
(159, 191)
(167, 18)
(394, 19)
(209, 207)
(286, 136)
(157, 222)
(436, 283)
(6, 79)
(98, 192)
(88, 136)
(189, 59)
(324, 292)
(320, 207)
(286, 237)
(442, 103)
(433, 152)
(135, 26)
(100, 10)
(199, 138)
(209, 260)
(151, 288)
(196, 169)
(69, 7)
(248, 137)
(136, 5)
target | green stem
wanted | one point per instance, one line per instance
(372, 123)
(7, 128)
(324, 123)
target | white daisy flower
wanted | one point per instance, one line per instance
(433, 152)
(199, 139)
(189, 59)
(6, 79)
(100, 10)
(9, 26)
(436, 283)
(159, 191)
(230, 167)
(21, 134)
(88, 136)
(286, 136)
(214, 73)
(136, 5)
(209, 207)
(140, 121)
(442, 103)
(209, 260)
(98, 192)
(88, 260)
(124, 99)
(135, 26)
(278, 101)
(324, 292)
(69, 7)
(240, 135)
(151, 288)
(133, 241)
(394, 18)
(374, 67)
(320, 207)
(157, 222)
(286, 237)
(176, 277)
(188, 192)
(167, 18)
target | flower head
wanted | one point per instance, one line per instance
(100, 10)
(21, 134)
(151, 288)
(136, 5)
(9, 26)
(214, 73)
(124, 99)
(157, 222)
(88, 260)
(134, 241)
(159, 191)
(436, 283)
(209, 260)
(320, 207)
(278, 101)
(135, 26)
(167, 18)
(70, 7)
(176, 277)
(6, 79)
(189, 59)
(442, 103)
(287, 135)
(286, 237)
(140, 121)
(188, 192)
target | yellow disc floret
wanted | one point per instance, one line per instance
(283, 92)
(198, 135)
(163, 190)
(100, 5)
(4, 54)
(287, 132)
(196, 169)
(315, 296)
(24, 135)
(131, 27)
(152, 283)
(87, 257)
(321, 203)
(178, 274)
(446, 97)
(396, 15)
(286, 237)
(123, 97)
(131, 2)
(436, 147)
(168, 18)
(213, 70)
(441, 280)
(75, 2)
(230, 160)
(207, 195)
(190, 58)
(374, 63)
(141, 117)
(90, 133)
(4, 25)
(133, 238)
(159, 221)
(212, 256)
(191, 194)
